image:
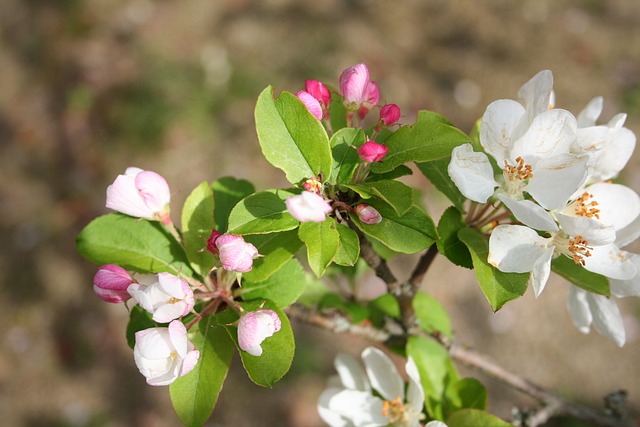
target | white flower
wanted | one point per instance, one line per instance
(587, 308)
(256, 326)
(164, 354)
(308, 207)
(167, 299)
(140, 193)
(352, 403)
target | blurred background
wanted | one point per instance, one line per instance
(88, 88)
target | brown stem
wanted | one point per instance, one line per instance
(421, 268)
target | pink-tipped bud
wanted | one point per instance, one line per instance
(308, 207)
(389, 114)
(357, 89)
(368, 214)
(254, 327)
(211, 242)
(312, 104)
(236, 254)
(111, 282)
(140, 193)
(371, 151)
(319, 92)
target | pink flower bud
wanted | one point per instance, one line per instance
(356, 87)
(372, 98)
(319, 92)
(111, 282)
(389, 114)
(254, 327)
(211, 242)
(371, 151)
(312, 104)
(164, 354)
(308, 207)
(139, 193)
(368, 214)
(167, 299)
(235, 253)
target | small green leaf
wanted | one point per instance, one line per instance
(396, 194)
(466, 393)
(344, 144)
(428, 139)
(282, 287)
(409, 233)
(580, 277)
(277, 350)
(337, 112)
(448, 242)
(349, 249)
(436, 172)
(498, 287)
(432, 316)
(475, 418)
(322, 241)
(398, 172)
(275, 250)
(386, 305)
(197, 223)
(132, 243)
(195, 395)
(291, 138)
(263, 212)
(356, 311)
(227, 192)
(139, 319)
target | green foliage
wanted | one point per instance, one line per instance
(322, 241)
(275, 250)
(475, 418)
(436, 172)
(227, 192)
(195, 395)
(431, 315)
(282, 287)
(291, 138)
(197, 223)
(344, 144)
(448, 242)
(139, 319)
(580, 277)
(349, 249)
(263, 212)
(132, 243)
(466, 393)
(498, 287)
(396, 194)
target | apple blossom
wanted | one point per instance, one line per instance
(359, 92)
(140, 193)
(312, 104)
(368, 214)
(167, 299)
(308, 207)
(587, 308)
(320, 92)
(374, 399)
(371, 151)
(389, 114)
(164, 354)
(254, 327)
(111, 282)
(235, 254)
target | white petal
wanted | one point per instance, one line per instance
(435, 424)
(541, 271)
(628, 234)
(332, 418)
(590, 113)
(415, 393)
(609, 261)
(352, 375)
(153, 189)
(615, 154)
(551, 133)
(383, 374)
(515, 248)
(361, 408)
(579, 309)
(530, 213)
(536, 93)
(472, 173)
(498, 128)
(590, 139)
(629, 287)
(590, 229)
(123, 196)
(555, 179)
(606, 318)
(619, 205)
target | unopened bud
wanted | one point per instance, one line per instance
(254, 327)
(371, 151)
(111, 282)
(389, 114)
(368, 214)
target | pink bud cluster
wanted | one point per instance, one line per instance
(316, 97)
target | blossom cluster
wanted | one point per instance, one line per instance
(554, 171)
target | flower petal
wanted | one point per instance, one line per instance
(590, 229)
(530, 213)
(415, 393)
(541, 271)
(609, 261)
(383, 374)
(579, 309)
(154, 190)
(536, 93)
(629, 287)
(498, 128)
(556, 179)
(351, 373)
(361, 408)
(551, 133)
(330, 417)
(606, 318)
(515, 248)
(619, 205)
(472, 173)
(590, 113)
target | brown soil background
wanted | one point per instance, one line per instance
(89, 88)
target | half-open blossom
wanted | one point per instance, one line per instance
(111, 282)
(320, 92)
(167, 299)
(389, 114)
(236, 254)
(587, 308)
(359, 92)
(256, 326)
(164, 354)
(140, 193)
(312, 104)
(308, 207)
(371, 151)
(368, 214)
(376, 398)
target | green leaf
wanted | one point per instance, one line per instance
(398, 172)
(291, 138)
(263, 212)
(322, 241)
(475, 418)
(431, 315)
(139, 319)
(282, 287)
(448, 242)
(580, 277)
(497, 286)
(195, 395)
(132, 243)
(396, 194)
(436, 173)
(386, 305)
(227, 192)
(409, 233)
(466, 393)
(349, 249)
(344, 144)
(356, 312)
(275, 250)
(197, 223)
(337, 112)
(428, 139)
(277, 350)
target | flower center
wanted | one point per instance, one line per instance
(173, 355)
(584, 207)
(580, 249)
(313, 185)
(174, 300)
(394, 410)
(516, 175)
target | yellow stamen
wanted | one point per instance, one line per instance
(393, 410)
(520, 171)
(582, 208)
(174, 300)
(580, 249)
